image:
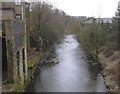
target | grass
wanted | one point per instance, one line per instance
(111, 68)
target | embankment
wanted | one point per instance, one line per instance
(110, 62)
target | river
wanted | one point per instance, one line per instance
(73, 73)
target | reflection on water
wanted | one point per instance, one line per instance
(71, 74)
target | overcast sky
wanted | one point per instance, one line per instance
(96, 8)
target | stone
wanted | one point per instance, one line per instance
(54, 60)
(38, 67)
(94, 64)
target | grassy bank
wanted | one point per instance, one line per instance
(107, 61)
(100, 40)
(110, 72)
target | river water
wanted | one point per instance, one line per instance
(73, 73)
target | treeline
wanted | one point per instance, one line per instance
(47, 25)
(101, 41)
(96, 35)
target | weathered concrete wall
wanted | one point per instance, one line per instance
(9, 46)
(19, 8)
(19, 44)
(16, 31)
(18, 34)
(0, 64)
(8, 4)
(0, 51)
(9, 15)
(15, 42)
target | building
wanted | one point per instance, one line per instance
(15, 28)
(98, 20)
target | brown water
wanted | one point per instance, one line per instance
(73, 73)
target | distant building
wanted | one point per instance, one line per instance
(98, 20)
(81, 17)
(104, 20)
(15, 28)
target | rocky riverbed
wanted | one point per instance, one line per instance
(49, 58)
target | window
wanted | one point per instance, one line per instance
(18, 16)
(18, 2)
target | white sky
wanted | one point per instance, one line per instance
(96, 8)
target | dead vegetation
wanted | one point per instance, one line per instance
(110, 60)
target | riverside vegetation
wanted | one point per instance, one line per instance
(99, 39)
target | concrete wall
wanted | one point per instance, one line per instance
(9, 47)
(15, 43)
(18, 34)
(9, 15)
(16, 31)
(0, 65)
(19, 45)
(8, 4)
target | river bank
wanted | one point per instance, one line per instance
(108, 60)
(72, 65)
(69, 55)
(107, 66)
(35, 60)
(110, 71)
